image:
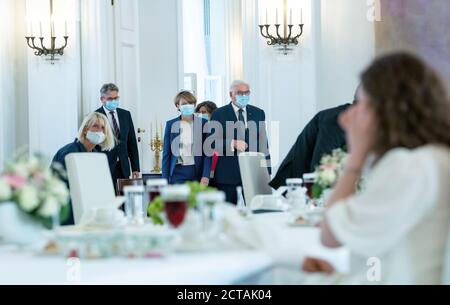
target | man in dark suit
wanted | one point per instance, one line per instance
(242, 130)
(320, 137)
(125, 155)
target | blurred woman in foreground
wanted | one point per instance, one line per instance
(400, 132)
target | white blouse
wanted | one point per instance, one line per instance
(397, 229)
(187, 143)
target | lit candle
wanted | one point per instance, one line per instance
(267, 16)
(40, 28)
(151, 131)
(276, 17)
(301, 16)
(290, 19)
(53, 29)
(65, 26)
(31, 29)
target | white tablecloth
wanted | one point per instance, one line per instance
(280, 245)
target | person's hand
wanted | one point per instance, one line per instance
(204, 181)
(135, 175)
(315, 265)
(239, 145)
(360, 126)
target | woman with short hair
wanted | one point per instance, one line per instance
(206, 109)
(184, 159)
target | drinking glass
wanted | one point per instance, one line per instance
(309, 180)
(176, 203)
(154, 187)
(135, 205)
(207, 202)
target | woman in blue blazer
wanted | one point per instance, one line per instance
(183, 155)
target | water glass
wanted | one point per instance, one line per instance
(135, 205)
(207, 202)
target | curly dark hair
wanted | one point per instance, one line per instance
(410, 101)
(210, 106)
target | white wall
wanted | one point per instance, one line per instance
(347, 45)
(13, 110)
(54, 91)
(7, 88)
(337, 43)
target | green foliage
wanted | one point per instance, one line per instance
(317, 191)
(156, 207)
(197, 188)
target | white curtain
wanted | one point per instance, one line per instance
(7, 79)
(195, 60)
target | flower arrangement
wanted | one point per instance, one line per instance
(156, 207)
(329, 171)
(36, 188)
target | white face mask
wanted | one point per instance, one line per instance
(95, 138)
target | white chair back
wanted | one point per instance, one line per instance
(90, 181)
(254, 174)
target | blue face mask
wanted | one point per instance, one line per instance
(204, 116)
(242, 100)
(96, 138)
(112, 105)
(187, 110)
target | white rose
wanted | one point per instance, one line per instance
(33, 164)
(28, 198)
(328, 177)
(49, 208)
(59, 189)
(5, 191)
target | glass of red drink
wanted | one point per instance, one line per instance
(154, 187)
(176, 203)
(308, 182)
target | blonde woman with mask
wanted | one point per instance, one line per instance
(95, 135)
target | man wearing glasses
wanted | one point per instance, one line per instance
(125, 155)
(241, 129)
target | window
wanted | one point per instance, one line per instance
(204, 49)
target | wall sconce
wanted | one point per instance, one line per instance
(282, 43)
(42, 50)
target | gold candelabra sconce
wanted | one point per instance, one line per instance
(37, 43)
(290, 38)
(156, 146)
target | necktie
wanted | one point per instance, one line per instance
(115, 125)
(241, 116)
(242, 129)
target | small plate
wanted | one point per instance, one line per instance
(300, 222)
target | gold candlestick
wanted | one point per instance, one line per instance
(156, 145)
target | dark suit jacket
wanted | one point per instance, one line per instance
(126, 148)
(320, 137)
(227, 171)
(171, 149)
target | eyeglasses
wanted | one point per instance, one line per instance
(243, 93)
(111, 99)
